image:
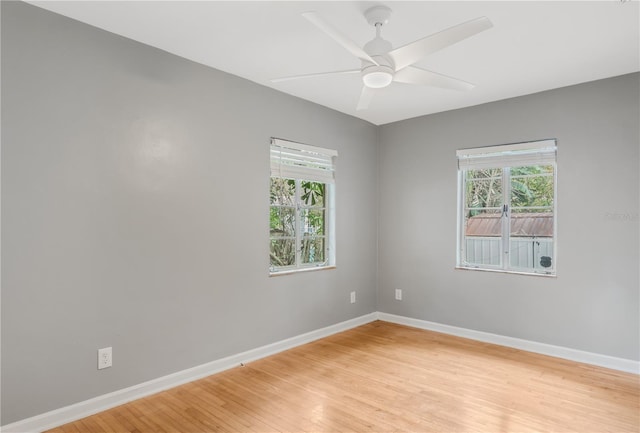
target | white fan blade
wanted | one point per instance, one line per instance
(321, 74)
(415, 51)
(365, 98)
(413, 75)
(346, 43)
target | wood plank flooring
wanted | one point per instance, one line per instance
(383, 377)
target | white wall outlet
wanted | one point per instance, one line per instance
(398, 294)
(353, 297)
(105, 358)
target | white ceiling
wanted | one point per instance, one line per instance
(533, 46)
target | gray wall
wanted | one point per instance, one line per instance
(134, 213)
(593, 303)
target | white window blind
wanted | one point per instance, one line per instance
(300, 161)
(509, 155)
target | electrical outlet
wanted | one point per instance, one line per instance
(105, 358)
(353, 297)
(398, 294)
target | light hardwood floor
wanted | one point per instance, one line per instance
(382, 377)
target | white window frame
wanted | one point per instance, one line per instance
(541, 152)
(302, 162)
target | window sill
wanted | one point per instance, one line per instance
(503, 271)
(301, 270)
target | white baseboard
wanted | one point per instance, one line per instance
(614, 363)
(85, 408)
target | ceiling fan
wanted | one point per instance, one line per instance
(382, 65)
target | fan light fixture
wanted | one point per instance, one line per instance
(377, 76)
(377, 79)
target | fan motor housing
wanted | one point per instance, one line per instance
(377, 47)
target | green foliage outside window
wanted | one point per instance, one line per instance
(297, 223)
(531, 189)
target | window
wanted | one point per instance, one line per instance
(506, 208)
(301, 216)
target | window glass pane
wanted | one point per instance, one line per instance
(483, 234)
(298, 224)
(531, 240)
(283, 252)
(313, 250)
(313, 221)
(282, 221)
(531, 253)
(283, 191)
(532, 188)
(312, 193)
(532, 224)
(483, 188)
